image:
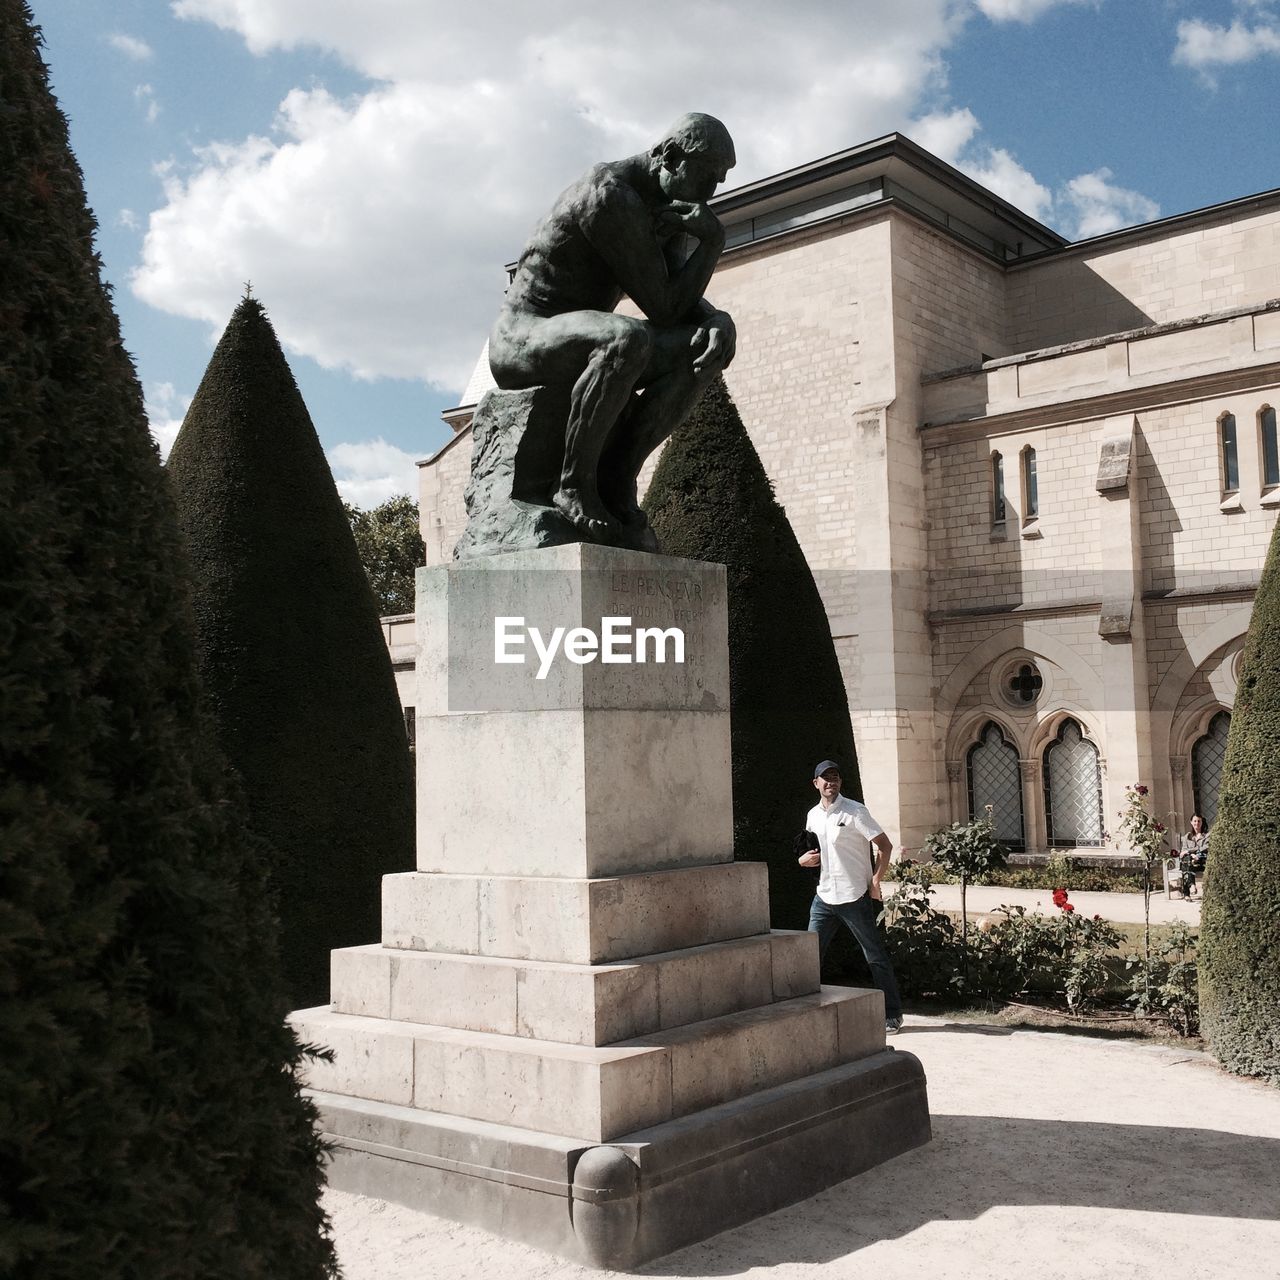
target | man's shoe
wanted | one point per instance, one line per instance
(892, 1026)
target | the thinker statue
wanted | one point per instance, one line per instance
(598, 392)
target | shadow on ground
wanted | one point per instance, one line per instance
(979, 1163)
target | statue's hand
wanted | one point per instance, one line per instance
(714, 342)
(694, 220)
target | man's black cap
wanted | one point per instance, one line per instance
(823, 765)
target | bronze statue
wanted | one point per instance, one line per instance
(595, 392)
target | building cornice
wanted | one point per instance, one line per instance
(1136, 399)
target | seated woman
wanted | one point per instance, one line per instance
(1195, 850)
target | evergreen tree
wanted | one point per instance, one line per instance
(151, 1121)
(291, 651)
(710, 499)
(390, 546)
(1240, 925)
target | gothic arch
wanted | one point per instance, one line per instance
(1197, 652)
(1013, 640)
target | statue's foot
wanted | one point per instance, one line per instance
(628, 514)
(585, 513)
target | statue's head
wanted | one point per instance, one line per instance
(695, 156)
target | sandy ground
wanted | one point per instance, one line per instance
(1053, 1156)
(1124, 907)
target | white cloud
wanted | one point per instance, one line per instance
(165, 412)
(131, 47)
(1089, 204)
(145, 96)
(1007, 178)
(376, 227)
(945, 134)
(369, 472)
(1203, 44)
(952, 136)
(1098, 205)
(127, 219)
(1021, 10)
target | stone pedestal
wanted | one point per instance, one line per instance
(577, 1029)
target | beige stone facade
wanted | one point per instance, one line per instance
(899, 326)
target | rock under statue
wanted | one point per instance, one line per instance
(585, 395)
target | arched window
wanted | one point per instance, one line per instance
(1030, 488)
(1270, 453)
(1206, 766)
(997, 489)
(994, 780)
(1229, 453)
(1072, 789)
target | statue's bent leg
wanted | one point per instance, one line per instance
(665, 402)
(599, 397)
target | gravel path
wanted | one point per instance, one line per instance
(1053, 1156)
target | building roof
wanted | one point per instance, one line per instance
(886, 170)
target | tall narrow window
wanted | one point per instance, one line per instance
(1206, 766)
(1230, 455)
(1030, 490)
(997, 489)
(1270, 453)
(994, 780)
(1072, 789)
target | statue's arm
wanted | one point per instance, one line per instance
(620, 228)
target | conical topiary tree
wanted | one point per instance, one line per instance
(711, 500)
(291, 651)
(1240, 924)
(151, 1122)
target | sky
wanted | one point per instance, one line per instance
(369, 168)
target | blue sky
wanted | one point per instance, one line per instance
(371, 167)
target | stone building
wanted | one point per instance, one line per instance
(1035, 479)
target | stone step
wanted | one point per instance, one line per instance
(575, 920)
(589, 1092)
(572, 1003)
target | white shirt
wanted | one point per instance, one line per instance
(845, 832)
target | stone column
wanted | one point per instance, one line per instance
(1126, 736)
(1033, 819)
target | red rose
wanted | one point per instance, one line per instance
(1066, 906)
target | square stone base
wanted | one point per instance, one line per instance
(624, 1203)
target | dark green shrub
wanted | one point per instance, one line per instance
(1240, 918)
(926, 950)
(291, 651)
(151, 1124)
(711, 500)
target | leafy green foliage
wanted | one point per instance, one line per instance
(966, 849)
(390, 547)
(291, 651)
(926, 950)
(711, 500)
(1065, 955)
(151, 1121)
(1240, 918)
(1166, 984)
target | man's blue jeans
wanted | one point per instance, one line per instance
(859, 917)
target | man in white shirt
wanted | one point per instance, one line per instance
(849, 886)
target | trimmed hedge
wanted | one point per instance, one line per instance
(291, 652)
(151, 1123)
(710, 499)
(1240, 918)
